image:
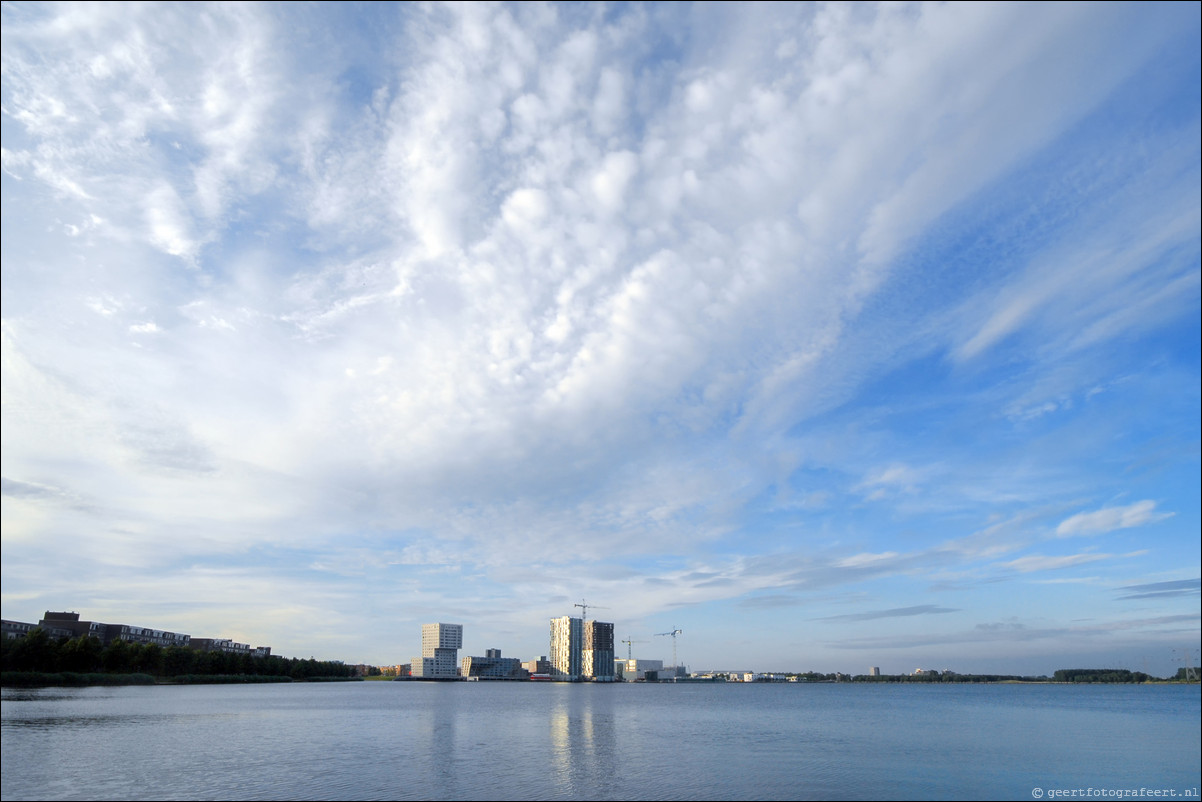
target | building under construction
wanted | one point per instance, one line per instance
(582, 650)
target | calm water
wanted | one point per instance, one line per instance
(411, 740)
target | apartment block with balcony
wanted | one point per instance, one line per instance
(440, 652)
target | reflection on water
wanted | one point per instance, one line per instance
(583, 741)
(441, 720)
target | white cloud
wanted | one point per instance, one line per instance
(482, 283)
(1109, 519)
(861, 560)
(168, 224)
(1040, 562)
(611, 180)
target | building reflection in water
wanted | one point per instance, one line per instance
(583, 740)
(434, 733)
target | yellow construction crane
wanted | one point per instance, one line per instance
(628, 642)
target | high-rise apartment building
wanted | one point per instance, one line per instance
(597, 659)
(440, 651)
(567, 636)
(582, 650)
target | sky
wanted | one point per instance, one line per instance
(833, 336)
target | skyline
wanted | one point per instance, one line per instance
(832, 335)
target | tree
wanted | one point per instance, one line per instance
(178, 660)
(81, 655)
(117, 658)
(149, 659)
(37, 651)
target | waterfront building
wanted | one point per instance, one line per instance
(222, 645)
(16, 629)
(597, 655)
(567, 637)
(131, 634)
(582, 650)
(440, 652)
(540, 666)
(636, 670)
(493, 666)
(875, 671)
(398, 670)
(67, 625)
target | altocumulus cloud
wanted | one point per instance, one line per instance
(708, 314)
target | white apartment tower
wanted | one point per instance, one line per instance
(567, 635)
(440, 651)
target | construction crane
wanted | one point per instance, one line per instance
(628, 643)
(672, 635)
(583, 605)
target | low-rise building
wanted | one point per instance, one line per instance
(540, 666)
(636, 670)
(15, 629)
(67, 625)
(493, 666)
(223, 645)
(132, 634)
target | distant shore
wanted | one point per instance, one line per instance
(66, 679)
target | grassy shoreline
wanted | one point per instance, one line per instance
(69, 679)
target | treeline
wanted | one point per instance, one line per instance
(39, 653)
(946, 676)
(1100, 675)
(1112, 675)
(927, 677)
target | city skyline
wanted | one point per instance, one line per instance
(831, 335)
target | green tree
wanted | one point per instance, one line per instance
(37, 651)
(117, 657)
(149, 659)
(178, 660)
(81, 655)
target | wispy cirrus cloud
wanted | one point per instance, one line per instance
(1161, 590)
(1109, 519)
(897, 612)
(1043, 562)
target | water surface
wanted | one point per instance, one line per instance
(413, 740)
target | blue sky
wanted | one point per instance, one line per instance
(831, 335)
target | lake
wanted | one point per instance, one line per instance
(481, 740)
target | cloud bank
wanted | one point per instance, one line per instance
(472, 311)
